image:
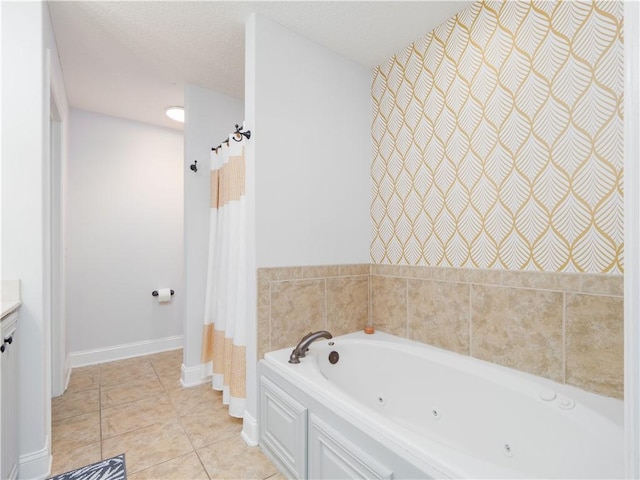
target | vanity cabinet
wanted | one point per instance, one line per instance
(9, 397)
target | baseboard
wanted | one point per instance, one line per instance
(196, 375)
(67, 371)
(128, 350)
(250, 430)
(36, 464)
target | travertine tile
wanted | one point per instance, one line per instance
(65, 460)
(449, 274)
(75, 403)
(84, 378)
(277, 476)
(518, 328)
(264, 331)
(157, 442)
(401, 271)
(264, 287)
(595, 343)
(165, 367)
(285, 273)
(185, 467)
(196, 399)
(120, 394)
(169, 375)
(131, 416)
(173, 357)
(389, 304)
(439, 314)
(167, 359)
(75, 432)
(124, 363)
(484, 276)
(149, 446)
(355, 269)
(205, 427)
(376, 269)
(321, 271)
(388, 310)
(406, 271)
(263, 274)
(234, 459)
(389, 270)
(347, 304)
(297, 307)
(561, 282)
(602, 284)
(125, 371)
(418, 272)
(171, 382)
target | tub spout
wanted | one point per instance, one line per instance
(303, 345)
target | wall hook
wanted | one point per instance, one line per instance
(194, 167)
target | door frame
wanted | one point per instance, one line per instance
(632, 239)
(55, 208)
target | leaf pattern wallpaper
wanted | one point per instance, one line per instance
(498, 141)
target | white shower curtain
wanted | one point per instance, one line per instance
(225, 323)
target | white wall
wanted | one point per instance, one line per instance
(25, 115)
(124, 235)
(308, 161)
(210, 117)
(311, 117)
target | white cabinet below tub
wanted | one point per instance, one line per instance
(9, 397)
(283, 429)
(305, 440)
(334, 456)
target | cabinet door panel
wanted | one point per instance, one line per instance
(283, 428)
(9, 398)
(332, 456)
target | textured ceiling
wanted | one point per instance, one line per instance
(132, 59)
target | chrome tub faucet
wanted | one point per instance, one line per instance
(302, 347)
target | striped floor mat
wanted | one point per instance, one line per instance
(109, 469)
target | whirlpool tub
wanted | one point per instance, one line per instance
(393, 408)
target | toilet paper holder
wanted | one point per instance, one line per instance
(155, 293)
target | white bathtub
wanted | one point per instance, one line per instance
(450, 415)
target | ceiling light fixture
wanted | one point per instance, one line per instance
(175, 113)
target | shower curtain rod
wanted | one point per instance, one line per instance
(237, 136)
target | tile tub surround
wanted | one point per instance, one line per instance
(295, 300)
(566, 327)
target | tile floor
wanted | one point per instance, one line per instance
(138, 407)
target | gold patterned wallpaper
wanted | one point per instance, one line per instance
(498, 141)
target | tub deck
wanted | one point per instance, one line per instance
(455, 416)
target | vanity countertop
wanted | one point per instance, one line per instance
(9, 296)
(8, 306)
